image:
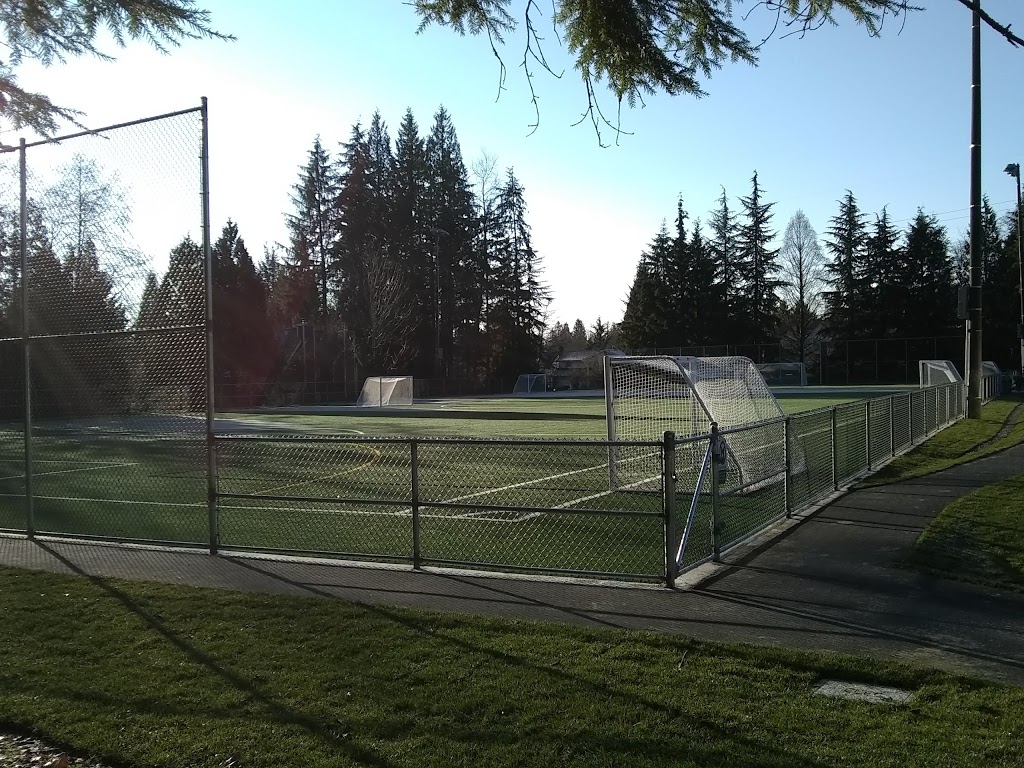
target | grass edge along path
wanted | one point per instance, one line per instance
(978, 538)
(964, 441)
(142, 674)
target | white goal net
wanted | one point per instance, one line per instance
(935, 372)
(784, 374)
(386, 390)
(647, 396)
(530, 383)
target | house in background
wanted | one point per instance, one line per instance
(581, 370)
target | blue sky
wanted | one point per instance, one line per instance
(887, 118)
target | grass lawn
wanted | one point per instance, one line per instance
(154, 675)
(979, 538)
(964, 441)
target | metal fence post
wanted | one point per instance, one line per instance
(669, 490)
(835, 449)
(787, 430)
(211, 445)
(26, 339)
(910, 416)
(415, 480)
(716, 533)
(892, 425)
(867, 432)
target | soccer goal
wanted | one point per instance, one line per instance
(646, 396)
(784, 374)
(935, 372)
(530, 383)
(386, 390)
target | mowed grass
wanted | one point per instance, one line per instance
(979, 538)
(178, 677)
(964, 441)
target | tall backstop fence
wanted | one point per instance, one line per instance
(105, 303)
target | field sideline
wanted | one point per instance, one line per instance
(513, 417)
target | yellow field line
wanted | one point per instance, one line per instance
(377, 455)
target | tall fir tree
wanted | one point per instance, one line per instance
(887, 274)
(314, 231)
(846, 239)
(759, 265)
(722, 248)
(932, 302)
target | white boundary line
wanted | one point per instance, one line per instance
(69, 471)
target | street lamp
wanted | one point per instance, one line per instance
(1014, 170)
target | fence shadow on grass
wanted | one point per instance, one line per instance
(700, 751)
(279, 712)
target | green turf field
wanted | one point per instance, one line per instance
(328, 483)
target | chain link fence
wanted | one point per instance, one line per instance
(103, 332)
(107, 419)
(825, 450)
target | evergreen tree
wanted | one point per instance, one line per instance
(706, 293)
(679, 291)
(314, 228)
(722, 248)
(759, 265)
(515, 322)
(932, 304)
(888, 275)
(846, 239)
(458, 265)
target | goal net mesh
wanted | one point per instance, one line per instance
(935, 372)
(646, 396)
(386, 390)
(529, 383)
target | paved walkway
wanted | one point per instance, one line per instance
(830, 583)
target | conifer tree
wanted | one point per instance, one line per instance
(887, 275)
(932, 293)
(759, 265)
(845, 242)
(722, 248)
(314, 228)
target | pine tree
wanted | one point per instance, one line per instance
(706, 294)
(845, 243)
(679, 291)
(759, 265)
(314, 226)
(722, 248)
(458, 267)
(887, 273)
(932, 305)
(515, 323)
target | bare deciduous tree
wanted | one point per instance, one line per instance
(802, 263)
(386, 343)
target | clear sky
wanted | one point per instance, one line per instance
(886, 118)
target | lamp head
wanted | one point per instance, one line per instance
(1013, 169)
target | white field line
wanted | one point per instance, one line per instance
(193, 505)
(69, 471)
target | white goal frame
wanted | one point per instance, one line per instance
(645, 396)
(530, 384)
(380, 391)
(932, 373)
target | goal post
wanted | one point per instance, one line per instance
(934, 372)
(530, 383)
(379, 391)
(649, 395)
